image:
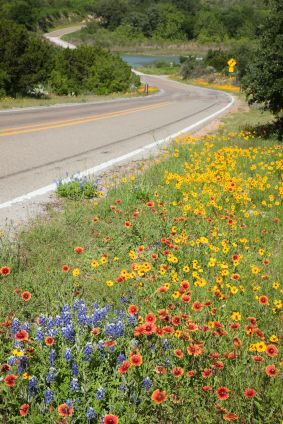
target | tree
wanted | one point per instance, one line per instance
(264, 80)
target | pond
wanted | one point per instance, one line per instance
(141, 60)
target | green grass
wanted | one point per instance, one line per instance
(159, 70)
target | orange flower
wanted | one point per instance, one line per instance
(222, 393)
(5, 270)
(133, 309)
(148, 329)
(95, 331)
(206, 388)
(24, 409)
(249, 393)
(206, 373)
(230, 417)
(271, 350)
(124, 367)
(21, 335)
(49, 341)
(179, 353)
(271, 370)
(78, 249)
(10, 380)
(136, 360)
(197, 306)
(263, 300)
(150, 318)
(65, 411)
(191, 373)
(127, 224)
(26, 296)
(194, 350)
(110, 419)
(159, 396)
(65, 268)
(177, 371)
(150, 204)
(237, 343)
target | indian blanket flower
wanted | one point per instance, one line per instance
(271, 350)
(24, 409)
(124, 367)
(21, 335)
(136, 360)
(249, 393)
(222, 393)
(49, 341)
(65, 411)
(110, 419)
(26, 296)
(194, 350)
(159, 396)
(271, 370)
(10, 380)
(5, 270)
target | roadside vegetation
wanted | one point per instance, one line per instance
(164, 287)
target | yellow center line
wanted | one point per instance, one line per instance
(76, 121)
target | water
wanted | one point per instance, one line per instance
(141, 60)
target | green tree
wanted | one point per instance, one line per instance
(264, 80)
(111, 12)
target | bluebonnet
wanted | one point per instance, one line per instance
(75, 369)
(25, 326)
(100, 394)
(39, 336)
(41, 320)
(69, 403)
(122, 387)
(90, 413)
(48, 396)
(166, 344)
(132, 320)
(51, 375)
(100, 345)
(11, 360)
(68, 333)
(32, 386)
(121, 357)
(15, 326)
(22, 365)
(115, 329)
(123, 299)
(52, 356)
(87, 351)
(68, 355)
(74, 385)
(146, 384)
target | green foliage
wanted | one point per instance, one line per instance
(264, 80)
(76, 189)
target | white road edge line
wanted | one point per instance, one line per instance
(110, 163)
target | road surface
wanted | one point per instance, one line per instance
(40, 145)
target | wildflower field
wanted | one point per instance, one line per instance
(159, 303)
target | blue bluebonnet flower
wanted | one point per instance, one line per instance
(51, 374)
(69, 403)
(75, 370)
(123, 299)
(74, 385)
(41, 319)
(15, 326)
(100, 345)
(48, 396)
(90, 413)
(32, 386)
(26, 327)
(132, 320)
(39, 335)
(88, 351)
(52, 356)
(68, 333)
(68, 355)
(11, 360)
(166, 344)
(146, 384)
(121, 358)
(100, 394)
(22, 362)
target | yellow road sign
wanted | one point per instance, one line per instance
(231, 69)
(232, 62)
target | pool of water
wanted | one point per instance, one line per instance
(141, 60)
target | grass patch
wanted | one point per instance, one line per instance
(165, 290)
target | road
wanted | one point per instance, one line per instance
(40, 145)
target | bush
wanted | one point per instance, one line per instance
(77, 189)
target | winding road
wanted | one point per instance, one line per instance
(40, 145)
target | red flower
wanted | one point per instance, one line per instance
(271, 350)
(78, 249)
(118, 201)
(197, 306)
(179, 353)
(194, 350)
(177, 371)
(150, 204)
(257, 358)
(127, 224)
(110, 419)
(65, 268)
(237, 343)
(49, 341)
(150, 318)
(206, 388)
(263, 300)
(10, 380)
(271, 370)
(5, 270)
(176, 320)
(218, 365)
(65, 411)
(136, 360)
(222, 393)
(21, 335)
(186, 298)
(249, 393)
(124, 367)
(5, 368)
(133, 309)
(230, 417)
(158, 396)
(160, 370)
(148, 328)
(191, 373)
(26, 296)
(24, 409)
(95, 331)
(206, 373)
